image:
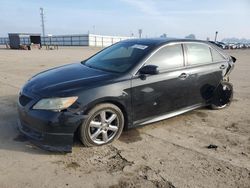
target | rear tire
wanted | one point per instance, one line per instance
(104, 124)
(223, 96)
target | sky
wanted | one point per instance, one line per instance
(176, 18)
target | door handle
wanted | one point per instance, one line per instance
(222, 67)
(183, 76)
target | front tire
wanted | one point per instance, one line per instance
(104, 124)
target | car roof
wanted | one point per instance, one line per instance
(161, 41)
(157, 42)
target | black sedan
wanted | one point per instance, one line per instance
(131, 83)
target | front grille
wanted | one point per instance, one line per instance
(24, 100)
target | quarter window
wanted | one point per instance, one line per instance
(216, 56)
(198, 54)
(168, 57)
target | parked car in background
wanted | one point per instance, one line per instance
(128, 84)
(238, 46)
(220, 45)
(232, 46)
(223, 45)
(217, 44)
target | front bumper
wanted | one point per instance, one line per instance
(49, 130)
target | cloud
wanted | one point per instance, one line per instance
(162, 9)
(199, 12)
(145, 6)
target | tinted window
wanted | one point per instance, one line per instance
(216, 56)
(119, 57)
(122, 52)
(198, 54)
(167, 57)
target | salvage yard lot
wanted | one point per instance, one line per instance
(170, 153)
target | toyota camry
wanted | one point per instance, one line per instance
(131, 83)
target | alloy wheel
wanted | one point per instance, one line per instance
(103, 126)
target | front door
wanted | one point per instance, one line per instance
(162, 93)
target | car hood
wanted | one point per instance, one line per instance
(61, 80)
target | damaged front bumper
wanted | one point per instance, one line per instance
(53, 131)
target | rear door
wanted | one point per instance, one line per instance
(162, 93)
(205, 66)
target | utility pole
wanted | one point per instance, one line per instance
(42, 20)
(215, 38)
(140, 33)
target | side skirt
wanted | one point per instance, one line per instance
(168, 115)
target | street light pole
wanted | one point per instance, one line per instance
(140, 33)
(216, 33)
(42, 20)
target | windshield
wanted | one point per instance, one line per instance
(119, 58)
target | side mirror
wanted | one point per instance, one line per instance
(149, 69)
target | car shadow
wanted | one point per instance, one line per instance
(10, 137)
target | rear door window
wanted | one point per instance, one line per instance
(168, 57)
(198, 54)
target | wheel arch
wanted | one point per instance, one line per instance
(113, 101)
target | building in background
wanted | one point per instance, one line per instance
(67, 40)
(15, 39)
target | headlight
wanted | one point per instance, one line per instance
(56, 104)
